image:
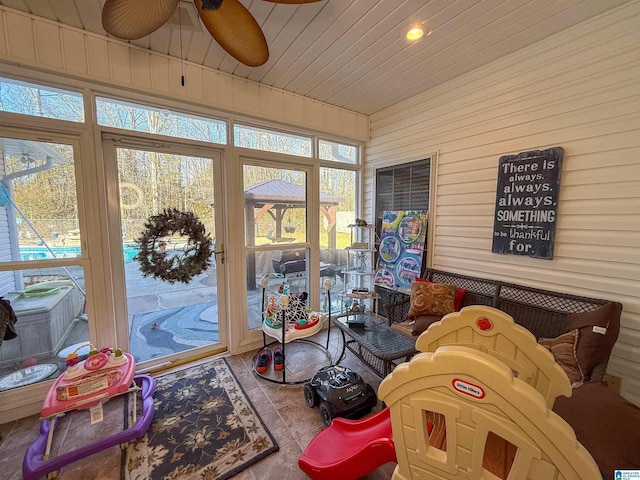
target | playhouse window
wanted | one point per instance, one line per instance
(498, 455)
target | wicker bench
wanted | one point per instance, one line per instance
(542, 312)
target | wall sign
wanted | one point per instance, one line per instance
(527, 203)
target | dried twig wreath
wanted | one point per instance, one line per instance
(173, 266)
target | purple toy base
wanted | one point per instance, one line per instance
(34, 467)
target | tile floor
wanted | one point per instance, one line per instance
(282, 408)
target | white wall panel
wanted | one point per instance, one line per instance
(99, 49)
(48, 47)
(75, 51)
(140, 69)
(20, 36)
(62, 49)
(579, 90)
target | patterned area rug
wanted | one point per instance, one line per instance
(204, 427)
(164, 332)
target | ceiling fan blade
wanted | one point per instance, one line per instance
(132, 19)
(235, 29)
(292, 1)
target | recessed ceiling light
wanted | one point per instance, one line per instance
(415, 33)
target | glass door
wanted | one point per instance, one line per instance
(275, 232)
(173, 301)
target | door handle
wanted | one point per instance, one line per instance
(220, 252)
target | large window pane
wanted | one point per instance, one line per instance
(49, 306)
(42, 211)
(337, 204)
(166, 317)
(40, 101)
(39, 222)
(271, 141)
(143, 118)
(275, 214)
(338, 152)
(276, 203)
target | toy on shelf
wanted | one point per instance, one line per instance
(86, 384)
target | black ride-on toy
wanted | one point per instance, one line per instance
(340, 392)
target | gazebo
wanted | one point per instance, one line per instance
(275, 198)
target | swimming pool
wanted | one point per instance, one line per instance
(41, 253)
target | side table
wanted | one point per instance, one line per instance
(374, 342)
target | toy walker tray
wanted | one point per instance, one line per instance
(294, 331)
(88, 382)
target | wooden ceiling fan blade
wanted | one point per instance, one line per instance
(235, 29)
(132, 19)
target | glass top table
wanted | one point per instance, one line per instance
(374, 342)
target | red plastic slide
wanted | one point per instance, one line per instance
(349, 449)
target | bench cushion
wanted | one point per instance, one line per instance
(606, 424)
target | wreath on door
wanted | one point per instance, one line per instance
(173, 265)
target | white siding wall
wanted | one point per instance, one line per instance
(40, 43)
(579, 90)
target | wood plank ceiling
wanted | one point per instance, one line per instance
(353, 53)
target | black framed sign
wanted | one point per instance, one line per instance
(527, 203)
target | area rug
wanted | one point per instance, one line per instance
(164, 332)
(205, 427)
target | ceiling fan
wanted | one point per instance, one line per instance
(228, 22)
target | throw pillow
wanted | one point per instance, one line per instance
(595, 347)
(431, 299)
(457, 302)
(422, 322)
(563, 349)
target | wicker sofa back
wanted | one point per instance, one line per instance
(542, 312)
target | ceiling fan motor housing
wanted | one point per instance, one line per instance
(211, 4)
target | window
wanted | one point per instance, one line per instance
(338, 152)
(401, 187)
(143, 118)
(338, 199)
(271, 141)
(39, 101)
(39, 222)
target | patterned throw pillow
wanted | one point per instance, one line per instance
(460, 292)
(563, 349)
(431, 299)
(297, 308)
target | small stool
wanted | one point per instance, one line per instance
(82, 349)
